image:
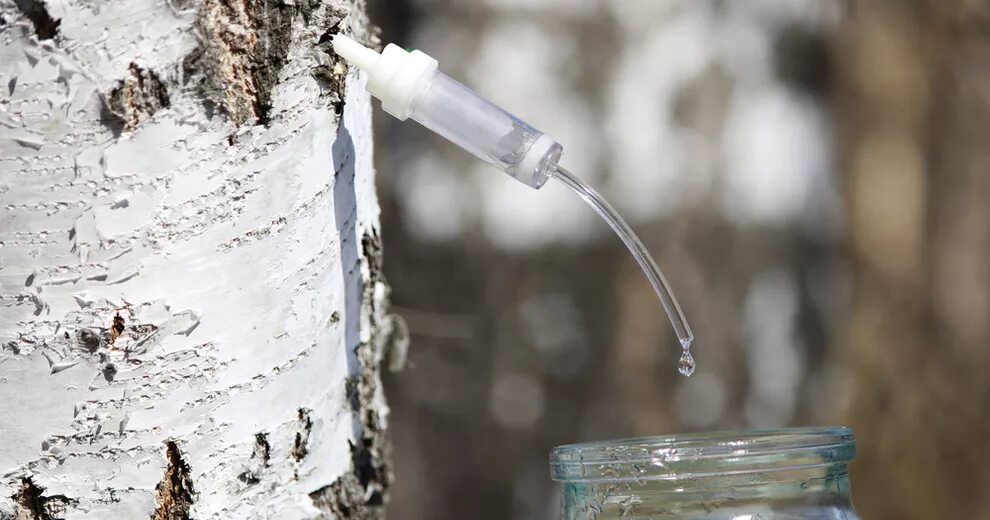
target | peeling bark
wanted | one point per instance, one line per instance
(44, 25)
(34, 505)
(345, 499)
(175, 491)
(260, 460)
(138, 96)
(191, 311)
(246, 48)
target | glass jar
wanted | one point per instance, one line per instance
(799, 473)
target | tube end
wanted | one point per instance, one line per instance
(355, 53)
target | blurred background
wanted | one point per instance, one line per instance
(812, 177)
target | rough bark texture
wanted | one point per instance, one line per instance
(191, 304)
(915, 83)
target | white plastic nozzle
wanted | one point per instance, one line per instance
(409, 85)
(352, 51)
(395, 76)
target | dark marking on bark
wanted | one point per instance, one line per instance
(249, 477)
(111, 120)
(182, 5)
(44, 25)
(260, 460)
(88, 339)
(32, 504)
(352, 392)
(141, 330)
(117, 328)
(109, 371)
(263, 450)
(175, 491)
(12, 346)
(193, 77)
(364, 465)
(371, 246)
(29, 280)
(137, 97)
(119, 335)
(345, 499)
(300, 448)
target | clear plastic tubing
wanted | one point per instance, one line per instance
(638, 250)
(410, 85)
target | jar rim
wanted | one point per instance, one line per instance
(672, 457)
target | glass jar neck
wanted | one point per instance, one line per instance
(803, 493)
(797, 473)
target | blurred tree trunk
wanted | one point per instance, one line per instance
(915, 80)
(190, 290)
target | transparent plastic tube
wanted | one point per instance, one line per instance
(409, 84)
(479, 126)
(639, 252)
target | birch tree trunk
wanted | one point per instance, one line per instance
(191, 305)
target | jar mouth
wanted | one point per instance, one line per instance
(690, 456)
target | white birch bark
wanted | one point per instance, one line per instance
(191, 304)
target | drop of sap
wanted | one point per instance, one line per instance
(686, 364)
